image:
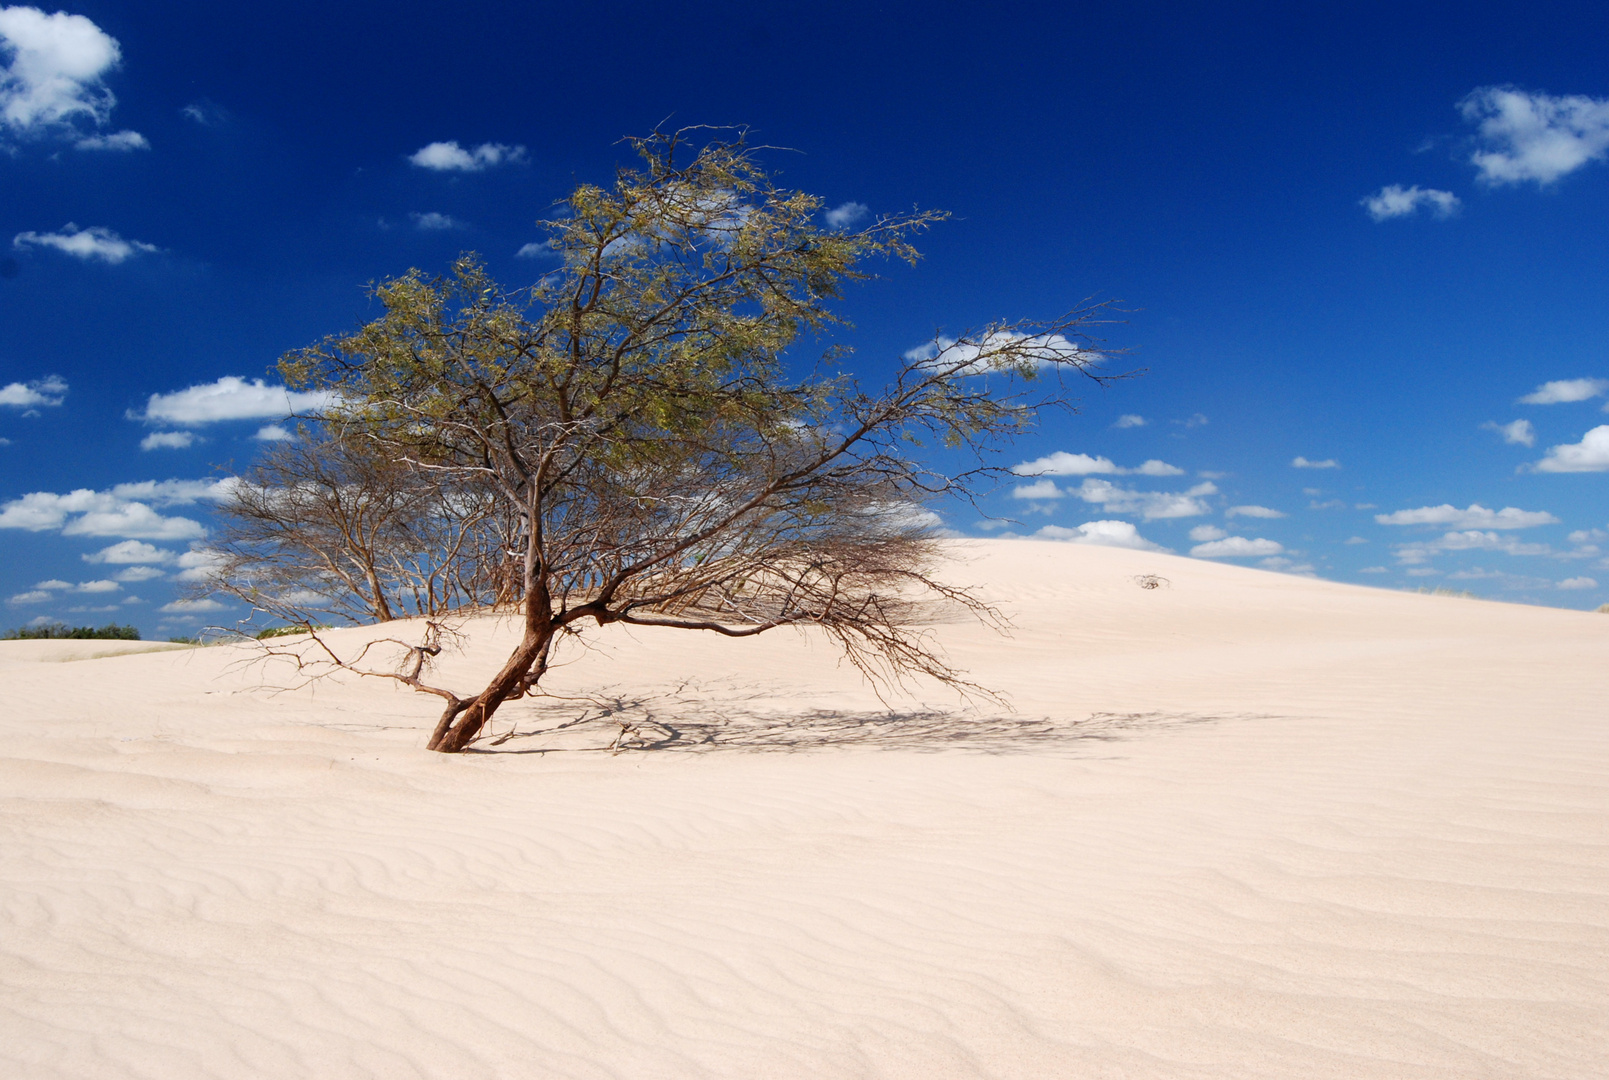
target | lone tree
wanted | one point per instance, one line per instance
(634, 415)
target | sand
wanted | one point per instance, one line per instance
(1241, 825)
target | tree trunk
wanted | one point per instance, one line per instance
(461, 727)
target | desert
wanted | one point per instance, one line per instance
(1241, 824)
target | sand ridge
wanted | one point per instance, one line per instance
(1243, 825)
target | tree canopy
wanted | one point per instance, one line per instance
(635, 435)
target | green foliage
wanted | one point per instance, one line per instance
(109, 632)
(286, 631)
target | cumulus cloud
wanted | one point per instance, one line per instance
(126, 510)
(32, 596)
(1417, 554)
(450, 157)
(136, 574)
(435, 222)
(51, 72)
(1302, 463)
(1562, 391)
(48, 391)
(1128, 420)
(94, 242)
(230, 398)
(842, 217)
(273, 433)
(1526, 135)
(1120, 534)
(1515, 433)
(1591, 454)
(130, 551)
(1253, 512)
(117, 140)
(1000, 350)
(1474, 516)
(1061, 463)
(1150, 505)
(534, 250)
(167, 440)
(1394, 201)
(1236, 547)
(1039, 489)
(192, 607)
(1577, 583)
(198, 564)
(1203, 533)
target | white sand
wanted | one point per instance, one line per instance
(1246, 825)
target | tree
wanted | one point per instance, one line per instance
(635, 413)
(326, 524)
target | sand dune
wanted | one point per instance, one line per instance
(1242, 825)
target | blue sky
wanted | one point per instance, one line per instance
(1370, 238)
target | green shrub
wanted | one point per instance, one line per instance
(49, 631)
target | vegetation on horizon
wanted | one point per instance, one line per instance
(109, 632)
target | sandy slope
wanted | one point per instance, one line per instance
(1244, 825)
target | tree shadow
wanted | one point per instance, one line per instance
(679, 723)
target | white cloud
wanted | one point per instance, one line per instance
(169, 440)
(1039, 489)
(842, 217)
(98, 586)
(1120, 534)
(1061, 463)
(53, 583)
(1375, 570)
(1591, 454)
(1150, 505)
(197, 564)
(1303, 463)
(273, 433)
(230, 398)
(1001, 350)
(534, 250)
(1287, 566)
(176, 492)
(1577, 583)
(1203, 533)
(1515, 433)
(205, 113)
(1353, 540)
(450, 157)
(136, 574)
(1474, 516)
(47, 391)
(1128, 420)
(1468, 540)
(192, 607)
(1155, 467)
(1236, 547)
(52, 75)
(94, 242)
(1535, 136)
(1394, 201)
(1562, 391)
(1252, 511)
(434, 222)
(108, 513)
(117, 140)
(33, 596)
(130, 551)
